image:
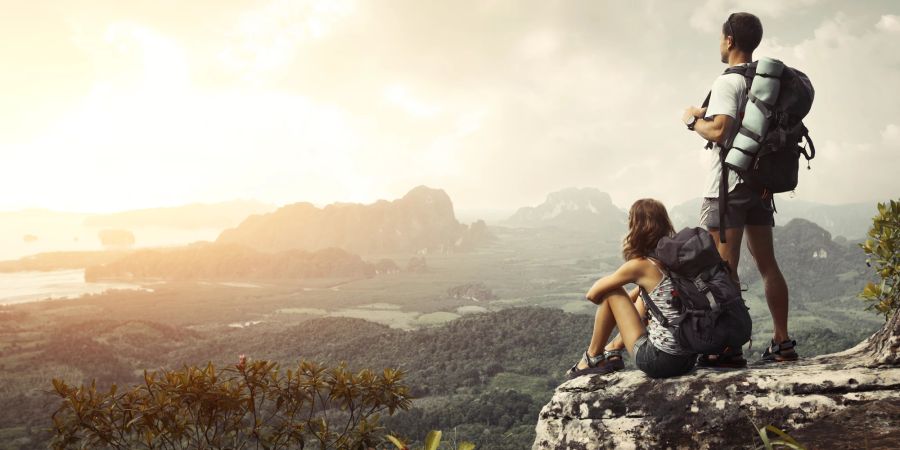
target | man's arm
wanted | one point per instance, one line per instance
(715, 122)
(716, 129)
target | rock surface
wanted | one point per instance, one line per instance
(844, 400)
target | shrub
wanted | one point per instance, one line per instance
(250, 405)
(882, 250)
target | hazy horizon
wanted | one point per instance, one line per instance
(471, 212)
(112, 107)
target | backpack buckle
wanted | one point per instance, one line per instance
(704, 289)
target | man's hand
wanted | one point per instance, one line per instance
(691, 112)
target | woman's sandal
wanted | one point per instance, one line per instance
(610, 361)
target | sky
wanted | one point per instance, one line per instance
(108, 105)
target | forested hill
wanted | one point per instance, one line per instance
(484, 375)
(815, 265)
(463, 352)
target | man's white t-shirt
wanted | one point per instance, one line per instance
(726, 97)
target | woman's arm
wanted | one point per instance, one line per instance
(626, 273)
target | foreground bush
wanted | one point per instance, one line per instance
(250, 405)
(882, 250)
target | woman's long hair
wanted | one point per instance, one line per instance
(648, 222)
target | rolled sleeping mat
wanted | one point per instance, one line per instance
(754, 120)
(769, 66)
(742, 152)
(766, 89)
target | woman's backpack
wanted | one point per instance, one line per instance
(713, 316)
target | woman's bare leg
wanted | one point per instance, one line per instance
(614, 310)
(604, 322)
(630, 324)
(617, 343)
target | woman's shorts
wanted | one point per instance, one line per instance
(659, 364)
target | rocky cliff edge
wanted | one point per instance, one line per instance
(843, 400)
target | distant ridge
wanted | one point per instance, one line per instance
(587, 209)
(850, 220)
(422, 221)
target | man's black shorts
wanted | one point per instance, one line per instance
(746, 206)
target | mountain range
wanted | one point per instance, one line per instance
(586, 209)
(850, 220)
(590, 209)
(422, 221)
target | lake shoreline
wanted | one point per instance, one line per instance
(37, 286)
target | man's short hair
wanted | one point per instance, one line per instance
(745, 30)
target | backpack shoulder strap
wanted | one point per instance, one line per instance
(659, 266)
(657, 314)
(747, 71)
(651, 305)
(723, 197)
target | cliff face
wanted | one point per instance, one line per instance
(844, 400)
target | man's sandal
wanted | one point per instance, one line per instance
(780, 352)
(610, 361)
(728, 359)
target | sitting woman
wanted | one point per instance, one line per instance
(654, 348)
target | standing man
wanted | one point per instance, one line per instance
(748, 211)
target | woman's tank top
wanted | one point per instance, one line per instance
(661, 337)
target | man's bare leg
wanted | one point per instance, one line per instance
(759, 241)
(731, 249)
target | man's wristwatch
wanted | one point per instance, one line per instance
(690, 125)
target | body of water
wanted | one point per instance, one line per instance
(22, 287)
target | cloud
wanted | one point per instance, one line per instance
(269, 38)
(889, 23)
(709, 17)
(891, 134)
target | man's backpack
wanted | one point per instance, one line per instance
(713, 315)
(775, 165)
